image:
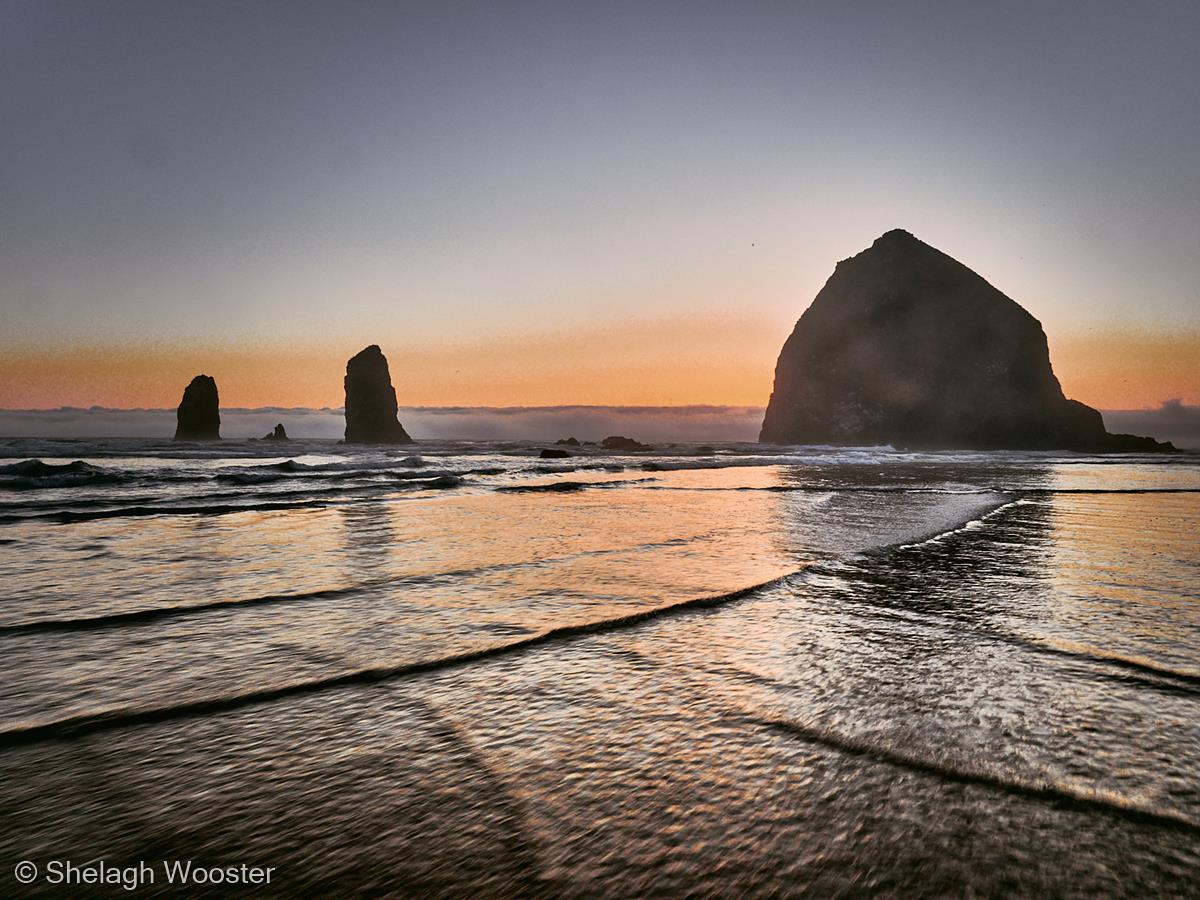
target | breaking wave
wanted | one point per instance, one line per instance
(33, 474)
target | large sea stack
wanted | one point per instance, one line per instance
(198, 417)
(908, 347)
(371, 401)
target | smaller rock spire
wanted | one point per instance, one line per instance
(198, 417)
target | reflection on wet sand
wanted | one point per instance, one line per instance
(957, 681)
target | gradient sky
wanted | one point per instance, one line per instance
(575, 202)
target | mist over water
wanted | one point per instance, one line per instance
(1173, 421)
(723, 670)
(654, 423)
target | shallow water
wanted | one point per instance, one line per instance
(461, 668)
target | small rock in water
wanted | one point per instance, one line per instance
(570, 442)
(620, 442)
(554, 454)
(279, 434)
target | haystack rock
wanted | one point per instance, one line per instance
(908, 347)
(198, 417)
(371, 401)
(279, 434)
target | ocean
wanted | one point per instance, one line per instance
(455, 668)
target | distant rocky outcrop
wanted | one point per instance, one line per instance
(554, 454)
(620, 442)
(906, 346)
(569, 442)
(371, 401)
(279, 434)
(198, 417)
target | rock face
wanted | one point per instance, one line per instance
(198, 417)
(279, 434)
(371, 401)
(908, 347)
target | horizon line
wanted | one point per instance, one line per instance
(625, 407)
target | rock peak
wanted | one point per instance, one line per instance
(900, 243)
(896, 246)
(371, 401)
(896, 236)
(907, 346)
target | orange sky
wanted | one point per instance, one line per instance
(1128, 369)
(718, 360)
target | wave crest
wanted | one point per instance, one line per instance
(33, 474)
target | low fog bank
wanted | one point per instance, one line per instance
(1173, 421)
(648, 423)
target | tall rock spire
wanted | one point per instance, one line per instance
(371, 401)
(198, 417)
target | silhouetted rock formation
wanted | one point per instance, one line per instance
(554, 454)
(198, 417)
(371, 401)
(279, 434)
(908, 347)
(619, 442)
(570, 442)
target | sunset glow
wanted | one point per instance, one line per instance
(644, 227)
(653, 363)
